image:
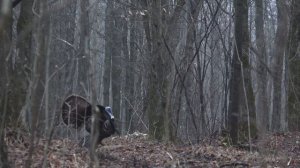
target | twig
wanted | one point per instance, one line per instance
(234, 164)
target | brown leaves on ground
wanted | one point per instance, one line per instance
(135, 150)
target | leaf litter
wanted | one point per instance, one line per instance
(137, 150)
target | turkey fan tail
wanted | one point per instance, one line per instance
(75, 109)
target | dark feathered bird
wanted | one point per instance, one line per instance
(77, 111)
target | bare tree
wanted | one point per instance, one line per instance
(108, 51)
(279, 53)
(113, 57)
(262, 117)
(157, 79)
(84, 55)
(293, 67)
(187, 74)
(130, 77)
(20, 69)
(36, 87)
(5, 46)
(241, 98)
(116, 60)
(160, 28)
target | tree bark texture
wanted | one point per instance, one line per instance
(187, 72)
(84, 55)
(5, 46)
(20, 72)
(279, 53)
(116, 61)
(113, 58)
(294, 68)
(156, 87)
(262, 117)
(241, 97)
(108, 52)
(135, 33)
(160, 29)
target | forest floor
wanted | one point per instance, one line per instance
(135, 150)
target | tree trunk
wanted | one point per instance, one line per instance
(113, 58)
(135, 33)
(160, 43)
(241, 98)
(84, 55)
(154, 110)
(108, 52)
(187, 74)
(38, 70)
(294, 68)
(280, 46)
(116, 62)
(126, 56)
(5, 44)
(130, 70)
(36, 87)
(21, 72)
(262, 110)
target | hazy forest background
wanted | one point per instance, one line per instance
(178, 70)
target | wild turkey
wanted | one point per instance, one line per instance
(77, 111)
